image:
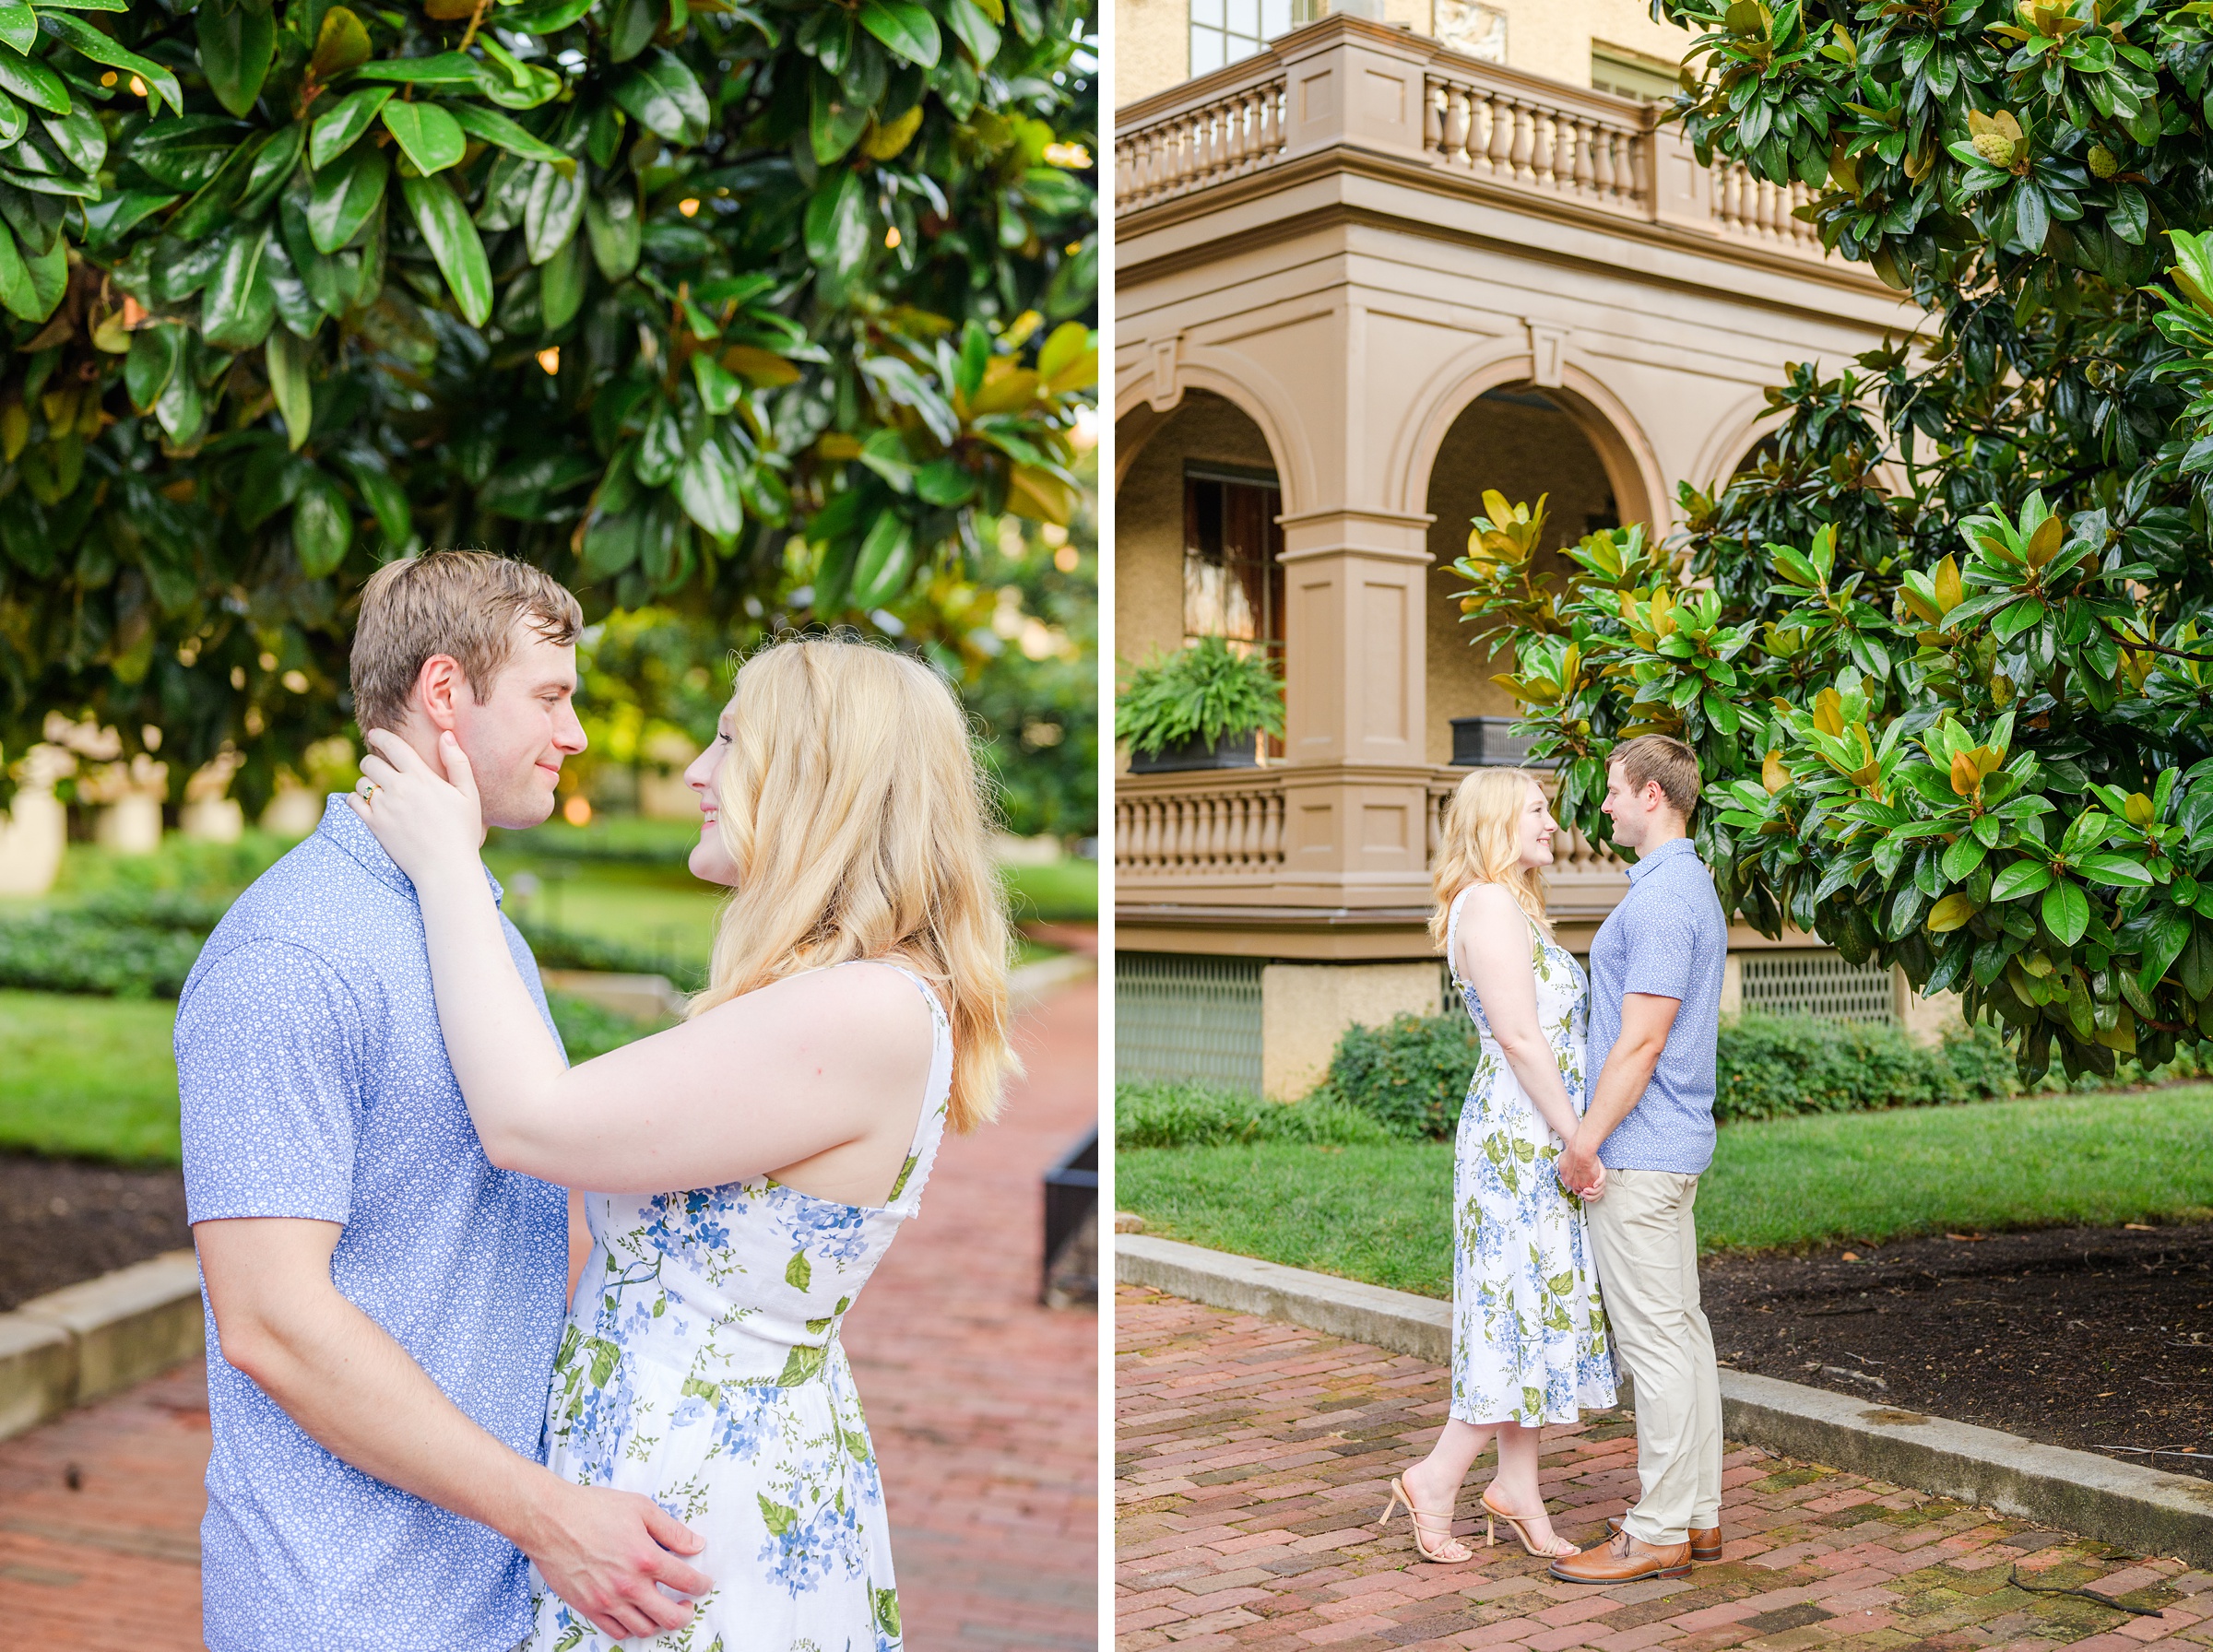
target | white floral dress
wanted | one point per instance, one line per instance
(701, 1366)
(1529, 1334)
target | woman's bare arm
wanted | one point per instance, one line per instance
(1493, 957)
(768, 1080)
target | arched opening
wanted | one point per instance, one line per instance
(1524, 443)
(1196, 539)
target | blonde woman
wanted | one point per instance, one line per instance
(857, 1008)
(1529, 1336)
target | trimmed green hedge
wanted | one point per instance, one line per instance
(1410, 1075)
(1158, 1114)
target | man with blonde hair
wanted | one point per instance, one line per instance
(1655, 1012)
(382, 1304)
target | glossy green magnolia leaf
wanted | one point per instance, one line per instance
(976, 30)
(2022, 878)
(661, 95)
(560, 285)
(338, 127)
(504, 132)
(19, 30)
(613, 222)
(543, 17)
(882, 568)
(444, 68)
(341, 44)
(321, 528)
(101, 49)
(907, 28)
(80, 138)
(706, 484)
(719, 389)
(552, 215)
(186, 152)
(33, 82)
(453, 240)
(511, 83)
(238, 41)
(386, 500)
(837, 226)
(432, 138)
(632, 26)
(272, 169)
(212, 206)
(346, 193)
(154, 358)
(286, 358)
(238, 307)
(2067, 912)
(14, 120)
(298, 308)
(18, 295)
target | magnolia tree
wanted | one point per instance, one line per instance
(1939, 646)
(640, 290)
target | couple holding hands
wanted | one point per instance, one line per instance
(1566, 1180)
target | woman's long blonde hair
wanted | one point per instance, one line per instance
(853, 807)
(1482, 843)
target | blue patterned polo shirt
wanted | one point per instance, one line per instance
(315, 1084)
(1668, 938)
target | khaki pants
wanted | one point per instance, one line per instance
(1646, 1246)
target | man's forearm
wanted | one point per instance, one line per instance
(1620, 1087)
(355, 1392)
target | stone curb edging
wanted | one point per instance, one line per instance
(2144, 1510)
(86, 1340)
(1028, 984)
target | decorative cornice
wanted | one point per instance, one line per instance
(1353, 160)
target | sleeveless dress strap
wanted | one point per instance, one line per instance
(929, 1128)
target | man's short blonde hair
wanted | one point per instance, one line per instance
(1660, 758)
(462, 604)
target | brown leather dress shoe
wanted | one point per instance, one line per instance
(1705, 1540)
(1625, 1560)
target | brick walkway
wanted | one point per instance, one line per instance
(1254, 1455)
(984, 1407)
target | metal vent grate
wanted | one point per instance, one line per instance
(1180, 1017)
(1819, 983)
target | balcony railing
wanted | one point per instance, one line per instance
(1225, 828)
(1218, 825)
(1528, 135)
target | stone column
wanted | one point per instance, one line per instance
(34, 830)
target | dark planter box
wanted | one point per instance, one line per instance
(1489, 743)
(1071, 1193)
(1231, 751)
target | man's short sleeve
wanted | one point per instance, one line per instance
(267, 1075)
(1663, 946)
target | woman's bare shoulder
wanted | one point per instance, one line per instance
(1488, 902)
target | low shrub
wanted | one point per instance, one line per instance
(567, 949)
(74, 950)
(623, 840)
(1190, 1113)
(1410, 1075)
(1774, 1066)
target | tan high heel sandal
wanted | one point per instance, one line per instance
(1420, 1541)
(1493, 1513)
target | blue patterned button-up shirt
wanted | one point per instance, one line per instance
(1668, 938)
(315, 1084)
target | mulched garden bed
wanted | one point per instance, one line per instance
(2092, 1338)
(62, 1221)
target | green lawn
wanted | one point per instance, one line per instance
(88, 1076)
(93, 1078)
(1382, 1213)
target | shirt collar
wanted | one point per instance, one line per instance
(1665, 852)
(346, 829)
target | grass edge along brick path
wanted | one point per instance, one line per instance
(1383, 1214)
(1253, 1456)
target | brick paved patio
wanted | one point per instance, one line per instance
(1254, 1457)
(983, 1406)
